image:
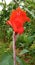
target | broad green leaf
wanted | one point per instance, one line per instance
(24, 51)
(6, 59)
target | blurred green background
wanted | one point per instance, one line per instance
(25, 43)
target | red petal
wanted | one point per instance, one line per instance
(20, 30)
(9, 23)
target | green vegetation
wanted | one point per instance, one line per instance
(25, 44)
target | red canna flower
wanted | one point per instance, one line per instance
(17, 19)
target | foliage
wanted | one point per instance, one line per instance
(25, 42)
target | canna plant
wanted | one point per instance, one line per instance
(17, 19)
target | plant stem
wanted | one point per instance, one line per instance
(14, 48)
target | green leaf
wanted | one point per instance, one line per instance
(6, 59)
(24, 51)
(20, 61)
(28, 38)
(30, 12)
(32, 46)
